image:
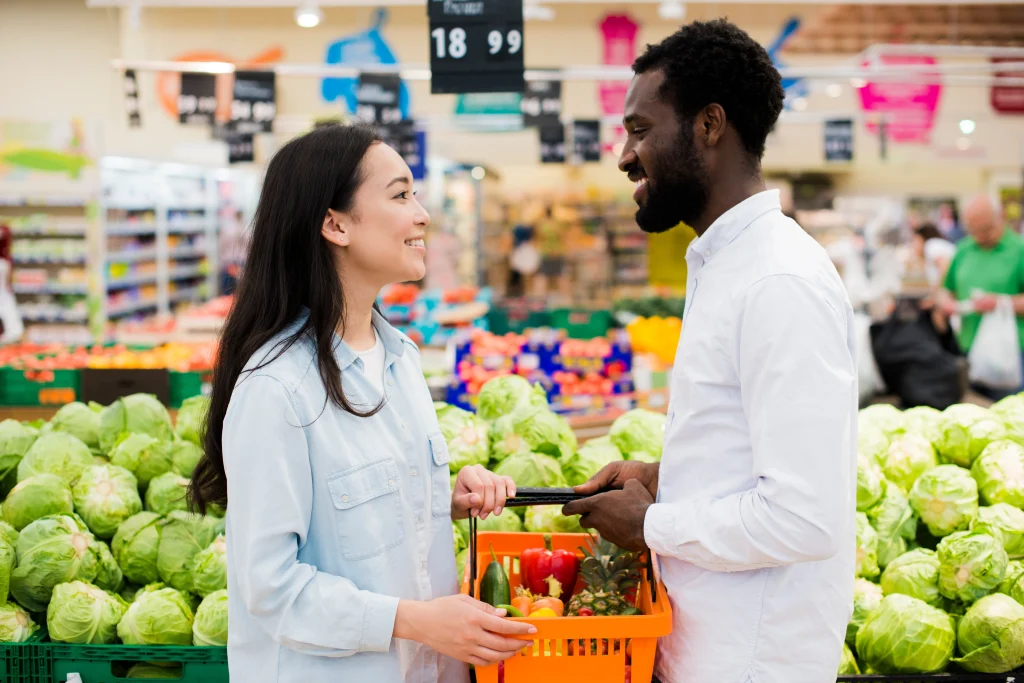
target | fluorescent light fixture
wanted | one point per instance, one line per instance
(672, 10)
(968, 126)
(478, 173)
(834, 90)
(308, 15)
(534, 12)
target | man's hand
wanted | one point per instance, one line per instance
(985, 303)
(615, 475)
(618, 515)
(479, 492)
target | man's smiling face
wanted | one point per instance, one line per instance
(661, 158)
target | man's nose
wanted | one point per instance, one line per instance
(627, 159)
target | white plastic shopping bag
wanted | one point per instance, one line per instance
(994, 357)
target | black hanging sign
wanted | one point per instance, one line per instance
(542, 103)
(586, 141)
(253, 102)
(131, 99)
(476, 46)
(240, 147)
(378, 98)
(839, 140)
(552, 144)
(402, 138)
(197, 102)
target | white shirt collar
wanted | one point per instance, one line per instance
(730, 225)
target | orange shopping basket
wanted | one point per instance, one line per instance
(592, 649)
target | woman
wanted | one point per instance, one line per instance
(322, 429)
(934, 251)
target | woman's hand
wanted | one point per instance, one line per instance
(459, 626)
(479, 493)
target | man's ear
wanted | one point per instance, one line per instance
(336, 228)
(710, 123)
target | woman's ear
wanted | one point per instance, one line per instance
(336, 229)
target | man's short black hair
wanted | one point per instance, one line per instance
(710, 62)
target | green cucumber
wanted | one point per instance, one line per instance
(494, 588)
(510, 611)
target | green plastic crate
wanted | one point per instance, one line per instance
(38, 387)
(104, 663)
(581, 324)
(501, 321)
(19, 660)
(185, 385)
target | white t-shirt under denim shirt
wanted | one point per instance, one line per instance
(373, 364)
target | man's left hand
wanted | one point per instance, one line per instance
(617, 515)
(985, 303)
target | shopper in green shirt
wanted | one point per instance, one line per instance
(987, 264)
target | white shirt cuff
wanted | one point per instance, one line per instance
(665, 528)
(378, 622)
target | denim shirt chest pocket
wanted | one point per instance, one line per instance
(368, 508)
(440, 477)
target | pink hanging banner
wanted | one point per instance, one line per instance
(909, 108)
(618, 37)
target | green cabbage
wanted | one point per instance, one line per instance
(896, 524)
(884, 416)
(81, 421)
(867, 548)
(1005, 523)
(210, 568)
(870, 483)
(81, 613)
(925, 421)
(142, 455)
(108, 574)
(639, 430)
(848, 664)
(532, 429)
(35, 497)
(460, 564)
(589, 460)
(549, 519)
(167, 493)
(8, 560)
(467, 437)
(192, 419)
(56, 453)
(966, 431)
(210, 627)
(532, 470)
(991, 635)
(1011, 411)
(16, 625)
(15, 440)
(508, 520)
(105, 496)
(135, 547)
(136, 414)
(999, 471)
(1014, 570)
(184, 536)
(906, 636)
(185, 455)
(501, 396)
(458, 539)
(946, 499)
(642, 456)
(971, 565)
(909, 456)
(916, 574)
(872, 443)
(157, 617)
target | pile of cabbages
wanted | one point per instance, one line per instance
(939, 529)
(96, 540)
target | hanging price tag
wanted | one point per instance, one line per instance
(253, 106)
(542, 103)
(552, 144)
(197, 102)
(378, 98)
(476, 46)
(839, 140)
(240, 148)
(408, 142)
(131, 99)
(586, 141)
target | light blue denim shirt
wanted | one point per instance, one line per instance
(333, 518)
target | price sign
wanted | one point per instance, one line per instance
(586, 141)
(240, 148)
(253, 105)
(476, 46)
(131, 99)
(542, 103)
(378, 99)
(552, 144)
(839, 140)
(407, 141)
(197, 102)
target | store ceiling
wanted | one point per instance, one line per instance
(851, 28)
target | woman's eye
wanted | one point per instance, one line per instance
(402, 195)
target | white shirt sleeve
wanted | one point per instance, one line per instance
(270, 502)
(798, 387)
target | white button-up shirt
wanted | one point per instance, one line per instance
(755, 515)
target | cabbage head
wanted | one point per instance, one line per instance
(532, 429)
(185, 455)
(105, 496)
(53, 550)
(966, 431)
(8, 559)
(999, 471)
(192, 419)
(884, 416)
(466, 436)
(971, 565)
(35, 497)
(1014, 570)
(81, 613)
(872, 443)
(135, 414)
(909, 456)
(639, 430)
(157, 617)
(458, 539)
(167, 493)
(916, 574)
(642, 456)
(56, 453)
(15, 440)
(923, 420)
(946, 499)
(896, 524)
(870, 483)
(867, 548)
(1005, 523)
(81, 421)
(144, 456)
(549, 519)
(184, 535)
(589, 460)
(1011, 411)
(210, 568)
(508, 520)
(848, 664)
(210, 627)
(867, 596)
(16, 625)
(906, 636)
(991, 635)
(460, 564)
(532, 470)
(501, 396)
(135, 547)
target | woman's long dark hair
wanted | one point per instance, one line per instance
(289, 266)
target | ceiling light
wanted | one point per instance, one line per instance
(858, 83)
(967, 126)
(308, 15)
(478, 173)
(834, 90)
(672, 10)
(535, 12)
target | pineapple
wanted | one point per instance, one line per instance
(608, 572)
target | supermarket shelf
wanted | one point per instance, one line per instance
(61, 318)
(132, 256)
(187, 252)
(190, 227)
(186, 273)
(184, 294)
(51, 288)
(130, 229)
(132, 281)
(76, 230)
(133, 307)
(48, 261)
(131, 206)
(201, 206)
(44, 201)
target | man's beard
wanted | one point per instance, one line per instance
(680, 194)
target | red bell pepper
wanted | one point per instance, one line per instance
(538, 565)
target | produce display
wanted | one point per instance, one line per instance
(939, 529)
(95, 539)
(180, 357)
(432, 316)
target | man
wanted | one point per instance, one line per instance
(754, 519)
(989, 262)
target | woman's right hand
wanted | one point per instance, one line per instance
(463, 628)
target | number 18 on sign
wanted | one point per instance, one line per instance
(476, 46)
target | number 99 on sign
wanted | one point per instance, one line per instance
(496, 40)
(453, 43)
